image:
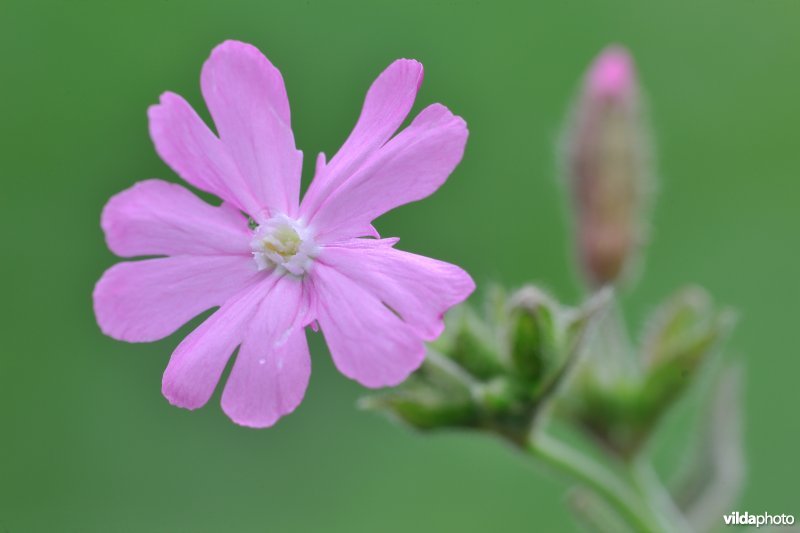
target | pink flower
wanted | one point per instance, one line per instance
(301, 264)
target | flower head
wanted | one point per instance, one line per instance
(271, 263)
(607, 166)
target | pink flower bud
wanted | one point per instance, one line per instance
(611, 75)
(607, 167)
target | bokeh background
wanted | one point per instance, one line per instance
(87, 443)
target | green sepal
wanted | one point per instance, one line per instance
(436, 395)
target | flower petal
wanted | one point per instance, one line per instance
(418, 288)
(271, 372)
(143, 301)
(186, 144)
(409, 167)
(368, 342)
(197, 363)
(158, 218)
(386, 106)
(247, 99)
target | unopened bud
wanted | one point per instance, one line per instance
(469, 344)
(532, 333)
(545, 337)
(498, 395)
(681, 336)
(687, 319)
(622, 413)
(606, 164)
(435, 396)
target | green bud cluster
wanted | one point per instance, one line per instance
(492, 373)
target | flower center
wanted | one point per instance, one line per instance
(285, 244)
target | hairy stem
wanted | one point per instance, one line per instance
(653, 491)
(629, 504)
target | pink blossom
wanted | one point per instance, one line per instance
(611, 75)
(272, 264)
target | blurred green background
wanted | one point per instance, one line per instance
(87, 443)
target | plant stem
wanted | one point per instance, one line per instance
(595, 512)
(596, 477)
(652, 490)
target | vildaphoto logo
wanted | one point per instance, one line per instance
(764, 519)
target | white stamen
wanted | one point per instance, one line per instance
(284, 244)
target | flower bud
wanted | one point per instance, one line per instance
(545, 338)
(498, 395)
(606, 166)
(437, 395)
(681, 336)
(469, 342)
(622, 413)
(532, 333)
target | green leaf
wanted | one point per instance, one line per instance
(714, 476)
